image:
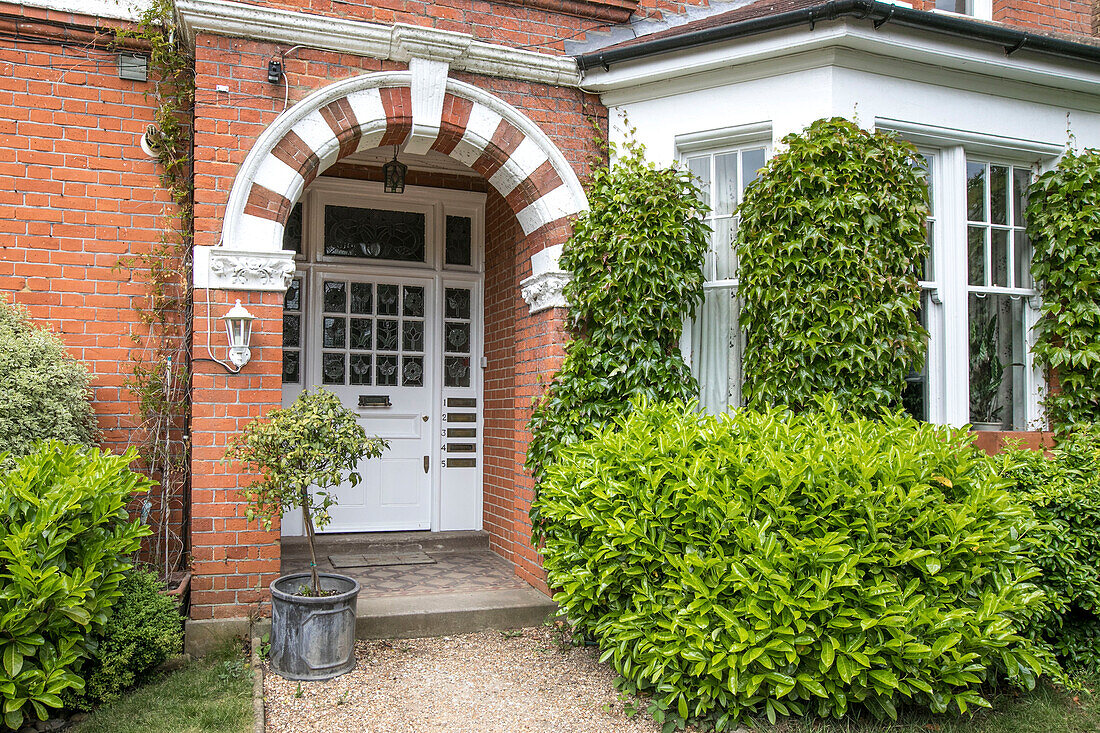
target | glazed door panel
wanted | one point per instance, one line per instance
(374, 350)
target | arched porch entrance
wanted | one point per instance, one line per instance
(528, 189)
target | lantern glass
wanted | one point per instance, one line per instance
(238, 331)
(393, 175)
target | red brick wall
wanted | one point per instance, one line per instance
(234, 560)
(502, 235)
(1066, 16)
(79, 200)
(77, 196)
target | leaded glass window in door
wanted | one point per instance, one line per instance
(372, 334)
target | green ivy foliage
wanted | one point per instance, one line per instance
(831, 237)
(1064, 491)
(144, 630)
(65, 539)
(44, 391)
(771, 563)
(636, 256)
(1065, 233)
(302, 452)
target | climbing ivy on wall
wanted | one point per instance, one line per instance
(1065, 233)
(830, 241)
(636, 256)
(160, 357)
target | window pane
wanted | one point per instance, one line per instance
(458, 249)
(914, 397)
(291, 367)
(716, 351)
(975, 256)
(954, 6)
(291, 330)
(725, 180)
(999, 252)
(332, 368)
(998, 194)
(361, 298)
(335, 296)
(378, 234)
(751, 163)
(1021, 179)
(1022, 260)
(926, 268)
(360, 369)
(725, 258)
(293, 299)
(333, 333)
(975, 191)
(292, 232)
(700, 169)
(998, 376)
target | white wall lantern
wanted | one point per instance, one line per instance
(238, 328)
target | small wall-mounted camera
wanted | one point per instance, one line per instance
(274, 71)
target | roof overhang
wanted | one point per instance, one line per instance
(843, 40)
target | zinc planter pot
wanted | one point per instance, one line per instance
(313, 638)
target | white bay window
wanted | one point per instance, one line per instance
(977, 299)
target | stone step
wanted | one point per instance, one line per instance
(444, 614)
(295, 549)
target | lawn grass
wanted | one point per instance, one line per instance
(1044, 710)
(209, 695)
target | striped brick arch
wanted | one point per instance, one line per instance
(475, 128)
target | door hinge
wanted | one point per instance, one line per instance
(426, 460)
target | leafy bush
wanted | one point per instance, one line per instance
(1065, 233)
(636, 256)
(316, 442)
(1064, 491)
(43, 390)
(145, 629)
(832, 234)
(64, 542)
(769, 563)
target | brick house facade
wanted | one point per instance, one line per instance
(496, 117)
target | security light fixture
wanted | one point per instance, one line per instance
(393, 175)
(238, 328)
(275, 71)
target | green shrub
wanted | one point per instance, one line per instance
(770, 563)
(144, 630)
(832, 234)
(1064, 491)
(637, 261)
(1065, 232)
(64, 542)
(43, 389)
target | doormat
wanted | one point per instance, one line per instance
(380, 559)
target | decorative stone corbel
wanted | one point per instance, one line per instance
(545, 288)
(220, 268)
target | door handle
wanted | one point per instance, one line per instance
(426, 459)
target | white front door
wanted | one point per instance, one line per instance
(376, 353)
(385, 311)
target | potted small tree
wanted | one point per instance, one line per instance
(301, 453)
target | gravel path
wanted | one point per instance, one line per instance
(490, 682)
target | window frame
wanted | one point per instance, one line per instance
(711, 145)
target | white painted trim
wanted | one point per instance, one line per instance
(899, 51)
(238, 232)
(224, 269)
(399, 42)
(429, 86)
(738, 135)
(117, 9)
(1014, 148)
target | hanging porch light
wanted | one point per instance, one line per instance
(393, 175)
(238, 329)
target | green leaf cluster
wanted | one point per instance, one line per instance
(44, 391)
(831, 237)
(1063, 223)
(301, 453)
(65, 539)
(144, 630)
(771, 563)
(636, 256)
(1064, 492)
